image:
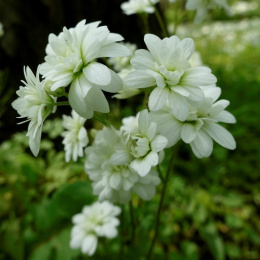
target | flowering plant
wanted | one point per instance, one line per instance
(131, 159)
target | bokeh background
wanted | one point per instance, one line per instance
(212, 209)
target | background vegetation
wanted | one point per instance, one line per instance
(212, 206)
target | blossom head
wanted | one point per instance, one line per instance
(34, 104)
(138, 6)
(166, 66)
(201, 126)
(75, 137)
(141, 145)
(115, 182)
(71, 59)
(97, 220)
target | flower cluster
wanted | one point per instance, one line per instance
(115, 182)
(97, 220)
(75, 137)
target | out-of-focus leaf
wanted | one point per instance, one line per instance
(214, 242)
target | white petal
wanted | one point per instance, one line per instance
(76, 100)
(115, 84)
(141, 166)
(120, 157)
(89, 245)
(188, 132)
(114, 50)
(97, 73)
(145, 192)
(159, 143)
(188, 46)
(139, 79)
(179, 106)
(158, 98)
(225, 117)
(153, 44)
(203, 143)
(143, 60)
(97, 101)
(220, 135)
(196, 93)
(143, 121)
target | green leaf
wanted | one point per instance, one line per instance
(214, 242)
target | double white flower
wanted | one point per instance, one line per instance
(166, 66)
(202, 7)
(97, 220)
(201, 126)
(71, 59)
(140, 146)
(115, 182)
(34, 104)
(75, 137)
(138, 6)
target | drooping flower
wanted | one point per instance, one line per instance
(141, 146)
(71, 59)
(202, 7)
(200, 127)
(115, 182)
(75, 137)
(166, 66)
(123, 63)
(97, 220)
(138, 6)
(34, 104)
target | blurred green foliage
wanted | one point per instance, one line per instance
(212, 205)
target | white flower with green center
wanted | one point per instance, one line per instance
(141, 146)
(202, 7)
(97, 220)
(115, 182)
(76, 137)
(138, 6)
(166, 66)
(71, 59)
(34, 104)
(200, 127)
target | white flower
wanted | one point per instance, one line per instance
(141, 146)
(167, 67)
(202, 7)
(76, 137)
(34, 104)
(120, 63)
(201, 125)
(126, 92)
(138, 6)
(115, 182)
(1, 30)
(97, 220)
(71, 59)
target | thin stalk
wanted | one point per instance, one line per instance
(160, 173)
(132, 221)
(64, 103)
(157, 221)
(122, 232)
(161, 23)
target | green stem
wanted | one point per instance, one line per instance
(161, 23)
(132, 221)
(122, 232)
(160, 173)
(157, 221)
(65, 103)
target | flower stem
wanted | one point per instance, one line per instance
(161, 23)
(157, 221)
(65, 103)
(132, 221)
